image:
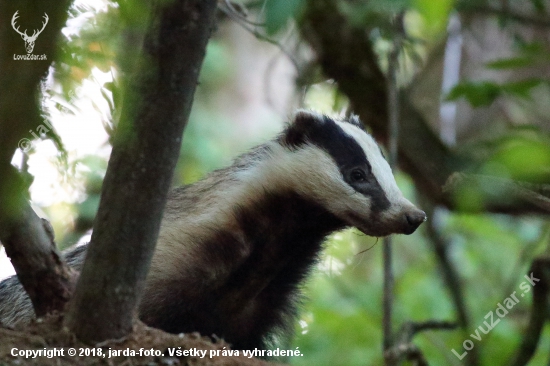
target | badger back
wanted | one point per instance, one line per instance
(338, 164)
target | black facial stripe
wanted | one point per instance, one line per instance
(348, 154)
(343, 148)
(373, 190)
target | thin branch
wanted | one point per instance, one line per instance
(450, 274)
(387, 299)
(240, 13)
(403, 349)
(451, 278)
(410, 329)
(408, 352)
(527, 255)
(540, 275)
(393, 122)
(245, 23)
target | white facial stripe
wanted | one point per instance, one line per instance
(310, 171)
(380, 167)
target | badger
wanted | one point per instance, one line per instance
(235, 247)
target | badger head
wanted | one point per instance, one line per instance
(338, 164)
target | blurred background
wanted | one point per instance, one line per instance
(478, 72)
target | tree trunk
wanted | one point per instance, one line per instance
(146, 147)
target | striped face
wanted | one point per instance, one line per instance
(339, 165)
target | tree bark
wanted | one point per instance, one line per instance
(30, 246)
(39, 267)
(146, 147)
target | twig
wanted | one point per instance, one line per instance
(244, 22)
(408, 352)
(540, 269)
(238, 13)
(526, 255)
(403, 349)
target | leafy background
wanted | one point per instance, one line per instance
(251, 81)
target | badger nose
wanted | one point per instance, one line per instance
(413, 220)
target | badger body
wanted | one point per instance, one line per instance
(234, 248)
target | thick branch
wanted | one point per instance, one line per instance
(145, 149)
(346, 55)
(29, 244)
(540, 270)
(41, 271)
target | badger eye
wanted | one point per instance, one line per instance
(358, 176)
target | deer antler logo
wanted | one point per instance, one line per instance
(29, 40)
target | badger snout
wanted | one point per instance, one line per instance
(412, 220)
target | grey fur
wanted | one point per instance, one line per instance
(16, 306)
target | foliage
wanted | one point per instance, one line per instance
(278, 13)
(341, 321)
(484, 93)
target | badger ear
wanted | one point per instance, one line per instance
(300, 128)
(356, 121)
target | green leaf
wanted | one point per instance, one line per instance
(88, 208)
(539, 5)
(478, 94)
(277, 13)
(521, 88)
(510, 63)
(524, 158)
(387, 6)
(435, 13)
(484, 93)
(531, 48)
